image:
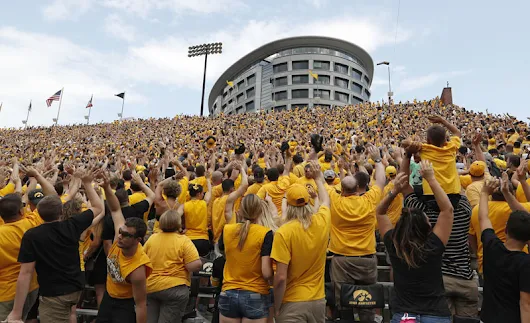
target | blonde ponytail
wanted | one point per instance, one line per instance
(243, 233)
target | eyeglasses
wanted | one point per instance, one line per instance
(126, 234)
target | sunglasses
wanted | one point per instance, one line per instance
(126, 234)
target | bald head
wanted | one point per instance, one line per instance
(217, 177)
(349, 185)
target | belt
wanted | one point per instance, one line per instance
(338, 255)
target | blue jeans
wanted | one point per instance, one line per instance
(422, 318)
(242, 303)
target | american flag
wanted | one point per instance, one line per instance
(55, 97)
(89, 104)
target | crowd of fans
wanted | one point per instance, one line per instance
(283, 201)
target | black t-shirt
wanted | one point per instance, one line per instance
(506, 273)
(133, 211)
(419, 290)
(54, 247)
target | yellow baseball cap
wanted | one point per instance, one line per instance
(477, 168)
(297, 195)
(390, 171)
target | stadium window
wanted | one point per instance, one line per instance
(278, 96)
(280, 108)
(323, 79)
(321, 65)
(225, 95)
(251, 79)
(223, 108)
(300, 79)
(230, 101)
(355, 100)
(240, 97)
(340, 82)
(356, 74)
(300, 94)
(342, 97)
(250, 93)
(300, 65)
(280, 81)
(366, 80)
(324, 94)
(340, 68)
(240, 84)
(366, 93)
(356, 88)
(278, 68)
(250, 106)
(239, 109)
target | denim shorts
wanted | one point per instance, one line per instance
(396, 318)
(241, 303)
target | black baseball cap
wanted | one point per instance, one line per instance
(35, 196)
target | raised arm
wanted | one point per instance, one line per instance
(451, 127)
(237, 193)
(444, 225)
(508, 195)
(96, 205)
(490, 186)
(114, 205)
(383, 221)
(380, 177)
(150, 195)
(208, 195)
(521, 175)
(323, 195)
(47, 187)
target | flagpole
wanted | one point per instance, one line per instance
(59, 110)
(122, 104)
(27, 116)
(88, 119)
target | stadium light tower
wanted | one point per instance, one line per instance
(390, 93)
(204, 49)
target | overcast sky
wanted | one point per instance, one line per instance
(104, 47)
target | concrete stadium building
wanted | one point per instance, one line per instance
(276, 75)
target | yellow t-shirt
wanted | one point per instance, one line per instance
(353, 223)
(169, 253)
(217, 192)
(120, 267)
(498, 213)
(201, 181)
(254, 188)
(298, 170)
(473, 192)
(219, 218)
(465, 180)
(395, 208)
(513, 138)
(276, 190)
(519, 193)
(138, 197)
(243, 267)
(309, 184)
(196, 219)
(305, 253)
(184, 194)
(10, 239)
(8, 189)
(443, 160)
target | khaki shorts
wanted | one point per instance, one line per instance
(57, 309)
(311, 312)
(462, 296)
(6, 307)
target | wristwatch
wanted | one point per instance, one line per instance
(378, 160)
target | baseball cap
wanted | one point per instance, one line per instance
(328, 174)
(391, 171)
(297, 195)
(35, 196)
(477, 168)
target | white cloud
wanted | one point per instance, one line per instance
(28, 73)
(408, 84)
(117, 27)
(66, 9)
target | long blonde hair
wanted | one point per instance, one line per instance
(253, 210)
(300, 213)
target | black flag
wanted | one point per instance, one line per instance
(121, 95)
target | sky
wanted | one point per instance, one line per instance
(104, 47)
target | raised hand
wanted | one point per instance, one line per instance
(426, 170)
(505, 183)
(521, 170)
(491, 185)
(374, 152)
(436, 119)
(401, 182)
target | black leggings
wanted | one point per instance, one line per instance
(203, 246)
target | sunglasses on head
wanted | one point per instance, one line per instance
(126, 234)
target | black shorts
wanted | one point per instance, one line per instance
(98, 276)
(113, 310)
(203, 246)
